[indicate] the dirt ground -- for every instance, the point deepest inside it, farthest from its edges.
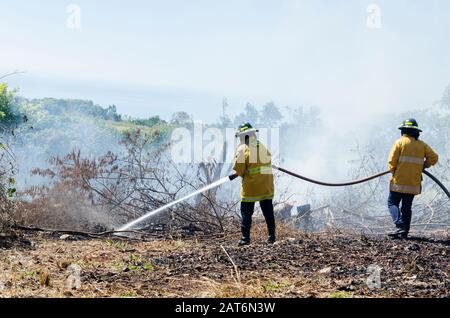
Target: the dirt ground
(332, 264)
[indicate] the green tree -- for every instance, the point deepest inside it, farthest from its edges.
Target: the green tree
(181, 118)
(225, 120)
(8, 112)
(446, 98)
(111, 113)
(250, 115)
(270, 115)
(150, 122)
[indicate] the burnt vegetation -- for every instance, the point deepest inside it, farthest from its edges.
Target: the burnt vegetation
(121, 187)
(71, 202)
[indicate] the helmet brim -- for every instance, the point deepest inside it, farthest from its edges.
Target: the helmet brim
(247, 132)
(407, 127)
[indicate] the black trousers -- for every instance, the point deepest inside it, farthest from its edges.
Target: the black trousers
(247, 209)
(401, 216)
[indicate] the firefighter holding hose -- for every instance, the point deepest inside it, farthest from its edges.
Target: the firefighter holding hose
(253, 164)
(409, 156)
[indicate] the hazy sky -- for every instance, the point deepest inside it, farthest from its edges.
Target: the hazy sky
(156, 57)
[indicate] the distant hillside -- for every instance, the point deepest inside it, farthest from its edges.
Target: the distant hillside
(86, 108)
(49, 127)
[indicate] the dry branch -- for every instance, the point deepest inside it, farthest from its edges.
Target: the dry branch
(236, 270)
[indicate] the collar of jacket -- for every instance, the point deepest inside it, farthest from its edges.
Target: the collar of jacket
(252, 141)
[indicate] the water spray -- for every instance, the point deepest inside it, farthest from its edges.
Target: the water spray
(171, 204)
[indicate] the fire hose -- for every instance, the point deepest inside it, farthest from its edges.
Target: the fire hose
(327, 184)
(345, 184)
(234, 176)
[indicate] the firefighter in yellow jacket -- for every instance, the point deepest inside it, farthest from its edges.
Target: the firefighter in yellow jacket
(409, 156)
(253, 164)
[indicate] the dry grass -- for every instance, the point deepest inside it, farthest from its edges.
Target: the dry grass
(200, 268)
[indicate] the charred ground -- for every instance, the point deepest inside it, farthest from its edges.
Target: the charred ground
(331, 264)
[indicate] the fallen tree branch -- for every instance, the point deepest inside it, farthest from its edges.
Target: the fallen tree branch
(238, 276)
(82, 233)
(115, 234)
(413, 225)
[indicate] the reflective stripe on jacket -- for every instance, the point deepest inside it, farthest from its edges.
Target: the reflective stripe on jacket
(253, 163)
(407, 159)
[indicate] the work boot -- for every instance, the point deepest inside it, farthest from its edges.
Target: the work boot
(399, 233)
(244, 241)
(271, 231)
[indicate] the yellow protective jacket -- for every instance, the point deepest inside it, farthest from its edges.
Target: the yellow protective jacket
(253, 163)
(407, 159)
